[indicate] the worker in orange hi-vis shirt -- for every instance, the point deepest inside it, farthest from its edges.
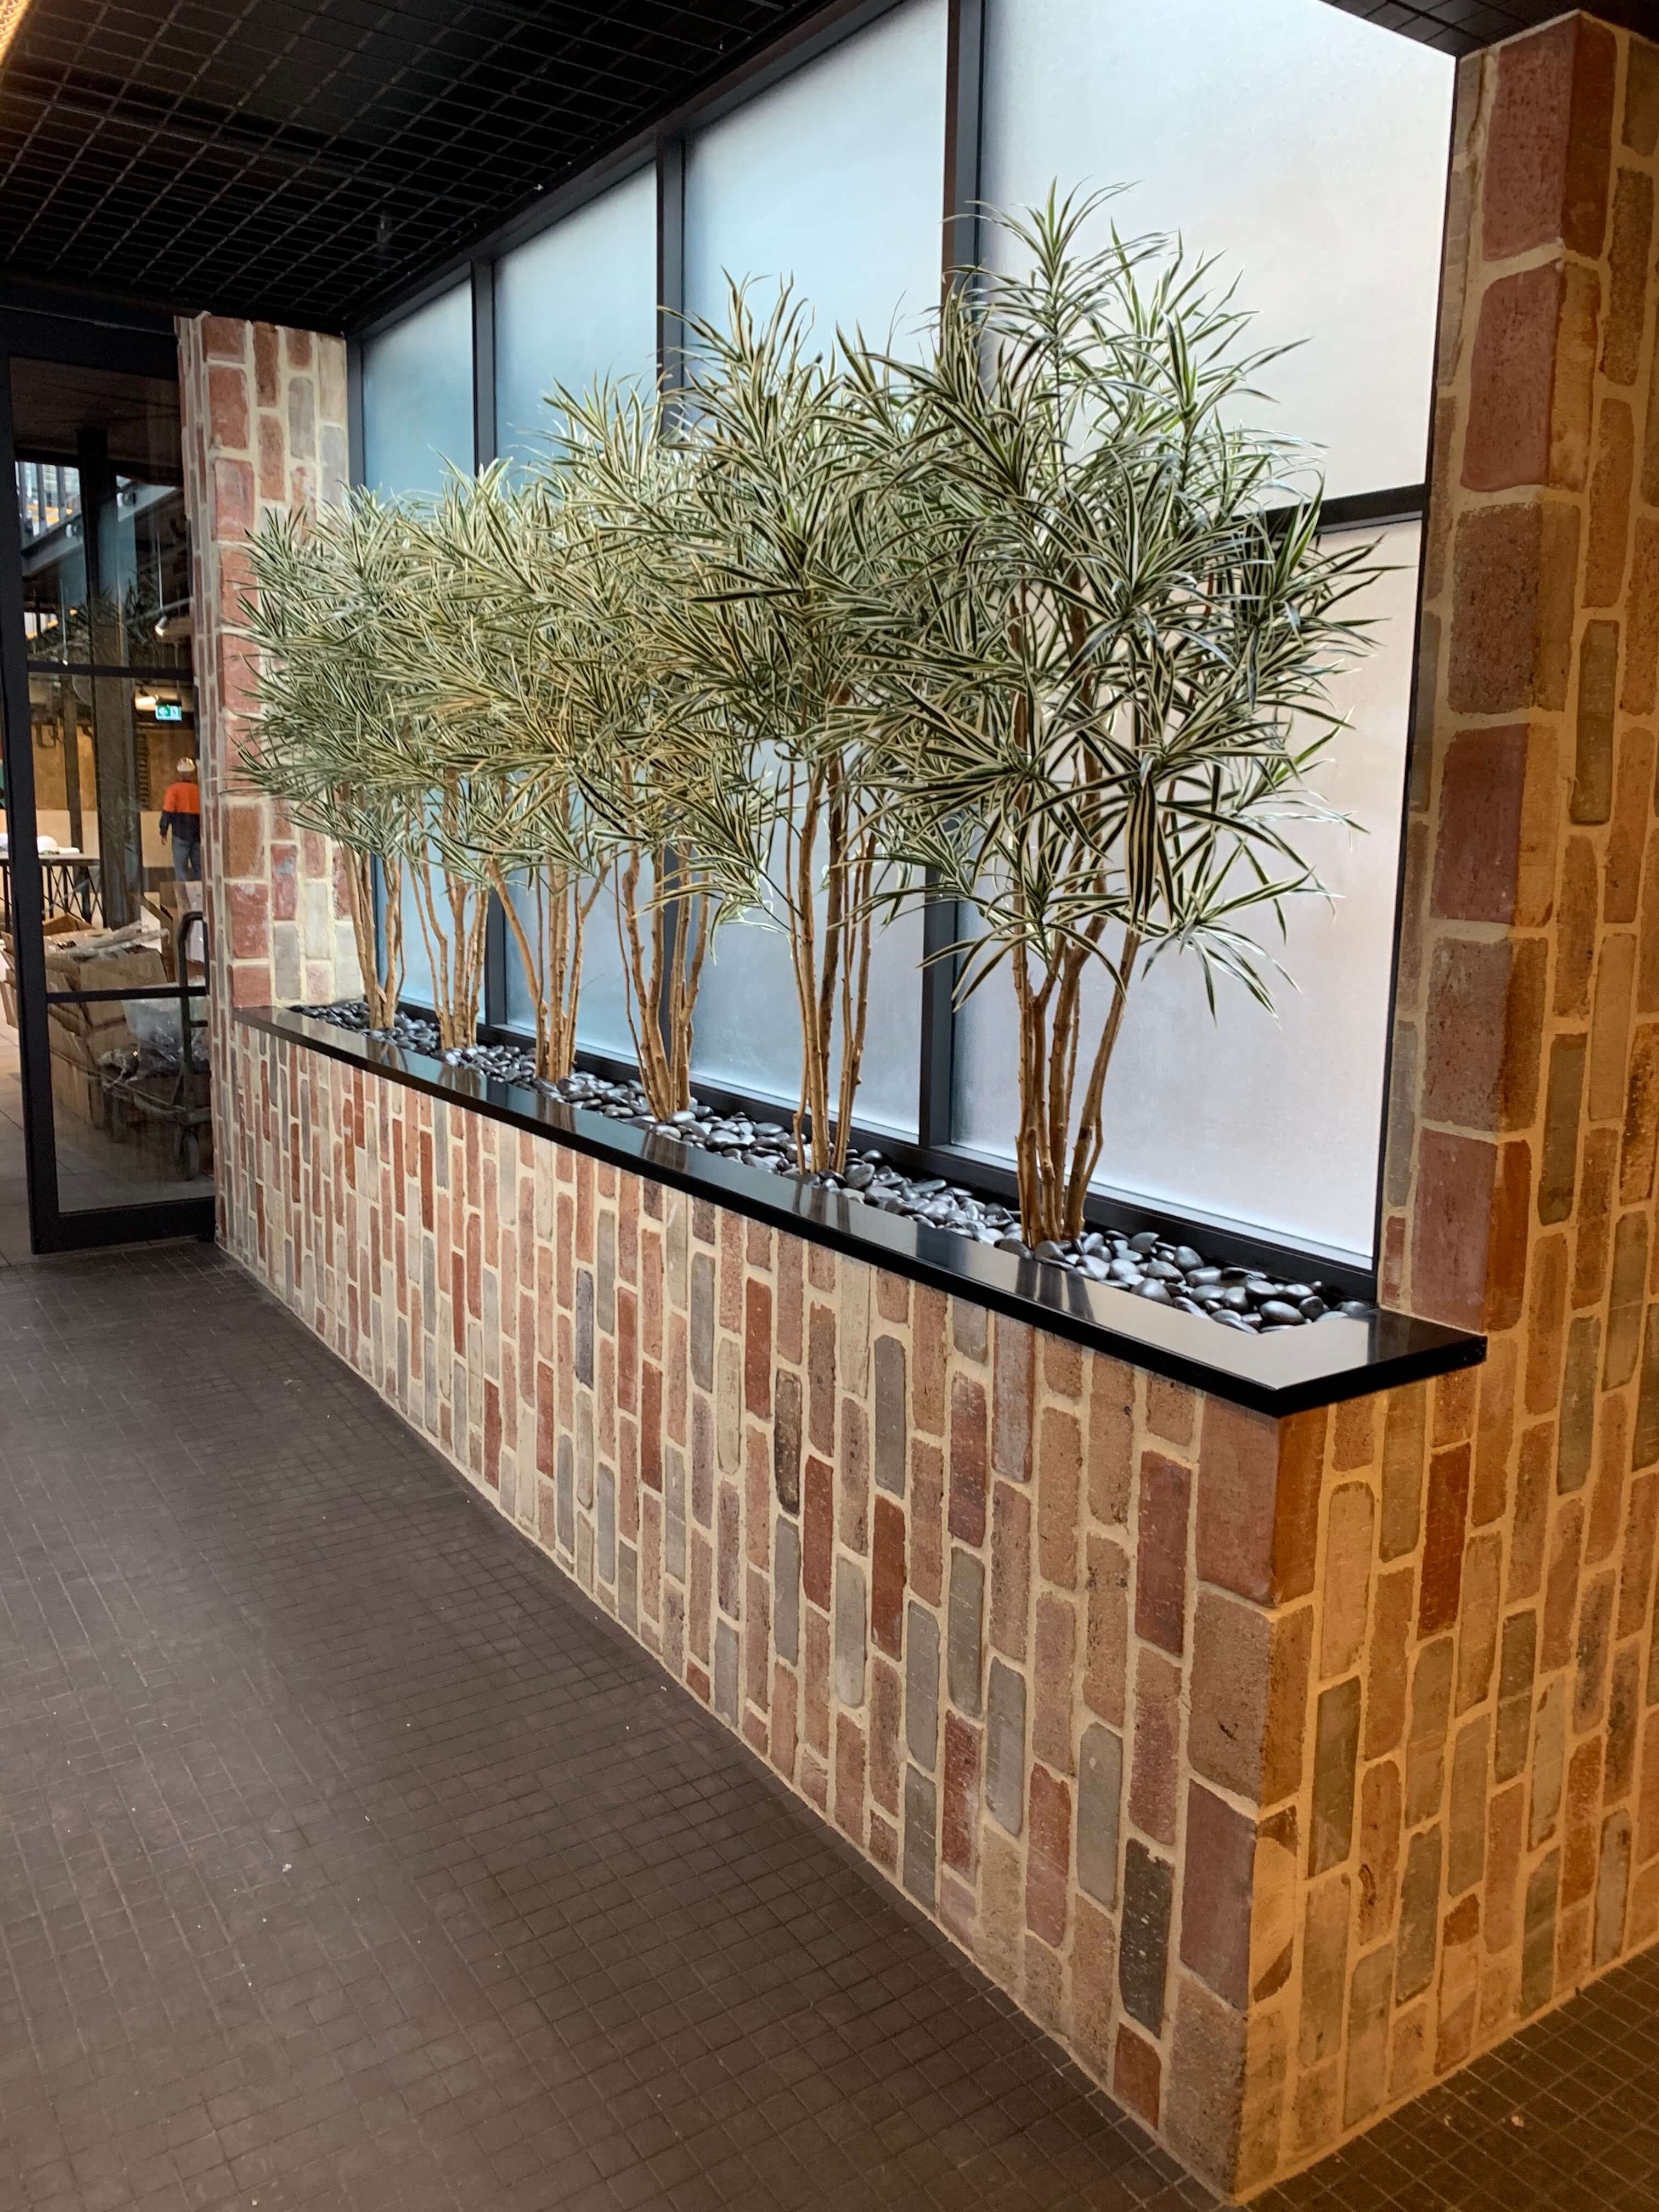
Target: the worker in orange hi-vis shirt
(181, 819)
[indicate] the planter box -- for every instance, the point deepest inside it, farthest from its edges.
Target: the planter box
(1054, 1603)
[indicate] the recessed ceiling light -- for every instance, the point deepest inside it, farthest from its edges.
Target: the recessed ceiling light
(11, 14)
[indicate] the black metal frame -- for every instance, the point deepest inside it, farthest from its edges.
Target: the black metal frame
(91, 335)
(1282, 1371)
(934, 1151)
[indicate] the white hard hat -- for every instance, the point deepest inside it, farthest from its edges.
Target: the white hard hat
(187, 765)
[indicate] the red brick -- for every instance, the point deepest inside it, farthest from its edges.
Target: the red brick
(1583, 1809)
(224, 337)
(926, 1519)
(1014, 1376)
(1153, 1775)
(968, 1461)
(959, 1815)
(1513, 381)
(1048, 1860)
(228, 412)
(1011, 1569)
(815, 1684)
(1561, 1588)
(1549, 140)
(757, 1485)
(1093, 1981)
(1054, 1667)
(249, 922)
(1063, 1366)
(1442, 1547)
(1609, 509)
(887, 1578)
(1636, 693)
(1216, 1893)
(1482, 1029)
(849, 1777)
(233, 498)
(1136, 2071)
(790, 1295)
(929, 1320)
(784, 1719)
(1516, 578)
(1628, 840)
(758, 1348)
(818, 1532)
(1477, 850)
(821, 1379)
(1111, 1439)
(1469, 1231)
(266, 365)
(1060, 1477)
(886, 1703)
(1258, 1501)
(1107, 1630)
(1161, 1559)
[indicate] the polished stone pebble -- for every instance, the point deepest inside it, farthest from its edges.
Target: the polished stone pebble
(1141, 1262)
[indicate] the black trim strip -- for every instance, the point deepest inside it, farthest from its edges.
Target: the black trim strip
(1288, 1372)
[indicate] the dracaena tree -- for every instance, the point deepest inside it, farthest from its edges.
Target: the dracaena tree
(1107, 636)
(658, 784)
(322, 692)
(769, 555)
(329, 589)
(477, 643)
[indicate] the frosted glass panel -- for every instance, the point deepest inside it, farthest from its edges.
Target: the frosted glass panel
(1305, 147)
(602, 1009)
(417, 989)
(834, 177)
(748, 1032)
(417, 396)
(1272, 1119)
(576, 304)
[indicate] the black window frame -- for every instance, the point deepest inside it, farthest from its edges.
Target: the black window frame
(934, 1150)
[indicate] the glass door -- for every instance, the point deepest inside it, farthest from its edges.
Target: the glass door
(103, 951)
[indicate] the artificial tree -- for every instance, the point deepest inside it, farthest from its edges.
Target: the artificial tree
(1107, 634)
(1026, 619)
(769, 557)
(321, 687)
(477, 643)
(658, 782)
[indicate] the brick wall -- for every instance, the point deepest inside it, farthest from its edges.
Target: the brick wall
(1275, 1768)
(996, 1607)
(265, 427)
(1478, 1825)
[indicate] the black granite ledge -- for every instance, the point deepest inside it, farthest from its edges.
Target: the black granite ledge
(1287, 1372)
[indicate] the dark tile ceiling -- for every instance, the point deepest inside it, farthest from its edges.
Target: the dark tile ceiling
(304, 159)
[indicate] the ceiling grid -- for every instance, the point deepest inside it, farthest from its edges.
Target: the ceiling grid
(303, 160)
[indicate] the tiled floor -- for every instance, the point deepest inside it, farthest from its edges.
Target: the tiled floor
(92, 1169)
(348, 1858)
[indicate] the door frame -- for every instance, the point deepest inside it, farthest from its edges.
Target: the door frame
(82, 334)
